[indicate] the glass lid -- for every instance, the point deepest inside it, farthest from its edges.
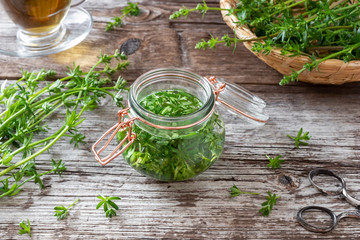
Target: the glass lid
(239, 101)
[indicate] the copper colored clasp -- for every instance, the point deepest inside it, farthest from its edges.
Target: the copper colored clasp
(121, 125)
(217, 90)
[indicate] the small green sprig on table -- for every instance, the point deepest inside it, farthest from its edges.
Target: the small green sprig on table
(28, 105)
(300, 138)
(266, 206)
(62, 211)
(235, 191)
(271, 200)
(275, 162)
(109, 206)
(319, 30)
(25, 228)
(131, 9)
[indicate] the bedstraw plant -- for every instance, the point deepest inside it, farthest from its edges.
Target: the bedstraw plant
(62, 211)
(28, 105)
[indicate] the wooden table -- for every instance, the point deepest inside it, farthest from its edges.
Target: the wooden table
(200, 208)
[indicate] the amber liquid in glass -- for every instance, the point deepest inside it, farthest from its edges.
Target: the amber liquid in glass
(36, 16)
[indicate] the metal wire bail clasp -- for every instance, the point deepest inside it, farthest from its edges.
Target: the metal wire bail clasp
(121, 125)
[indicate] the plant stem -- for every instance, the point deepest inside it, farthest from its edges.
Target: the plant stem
(253, 193)
(64, 130)
(25, 181)
(73, 204)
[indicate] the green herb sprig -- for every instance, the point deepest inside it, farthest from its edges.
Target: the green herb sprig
(271, 200)
(300, 138)
(29, 170)
(275, 162)
(235, 191)
(62, 211)
(201, 8)
(25, 228)
(321, 30)
(131, 9)
(109, 206)
(29, 103)
(171, 103)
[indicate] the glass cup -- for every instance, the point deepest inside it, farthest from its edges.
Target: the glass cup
(39, 21)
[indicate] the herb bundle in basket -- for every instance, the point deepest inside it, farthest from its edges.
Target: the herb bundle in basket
(315, 41)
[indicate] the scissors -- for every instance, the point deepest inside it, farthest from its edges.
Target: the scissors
(334, 218)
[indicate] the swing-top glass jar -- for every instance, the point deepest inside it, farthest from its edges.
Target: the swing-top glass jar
(171, 130)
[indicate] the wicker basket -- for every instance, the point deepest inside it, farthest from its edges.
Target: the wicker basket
(332, 71)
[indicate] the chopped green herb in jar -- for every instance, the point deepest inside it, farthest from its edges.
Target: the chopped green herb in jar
(171, 103)
(170, 156)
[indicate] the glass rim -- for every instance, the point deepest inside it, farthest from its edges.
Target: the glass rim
(206, 107)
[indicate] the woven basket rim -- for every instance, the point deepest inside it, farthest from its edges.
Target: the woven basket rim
(243, 32)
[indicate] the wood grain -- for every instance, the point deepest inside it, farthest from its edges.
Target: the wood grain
(200, 208)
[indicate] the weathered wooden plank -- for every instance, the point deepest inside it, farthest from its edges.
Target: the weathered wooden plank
(202, 208)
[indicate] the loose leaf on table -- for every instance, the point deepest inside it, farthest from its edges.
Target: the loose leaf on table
(275, 162)
(300, 138)
(61, 211)
(235, 191)
(25, 228)
(267, 206)
(109, 206)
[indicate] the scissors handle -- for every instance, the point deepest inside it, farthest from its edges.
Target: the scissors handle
(341, 191)
(314, 228)
(319, 171)
(334, 219)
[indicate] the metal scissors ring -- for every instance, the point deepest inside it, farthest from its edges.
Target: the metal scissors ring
(334, 218)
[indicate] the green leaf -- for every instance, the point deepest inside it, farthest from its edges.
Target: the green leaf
(271, 200)
(109, 205)
(101, 197)
(61, 211)
(39, 181)
(114, 198)
(300, 138)
(275, 162)
(25, 228)
(77, 138)
(6, 159)
(60, 207)
(58, 167)
(100, 204)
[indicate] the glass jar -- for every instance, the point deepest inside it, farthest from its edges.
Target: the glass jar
(177, 148)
